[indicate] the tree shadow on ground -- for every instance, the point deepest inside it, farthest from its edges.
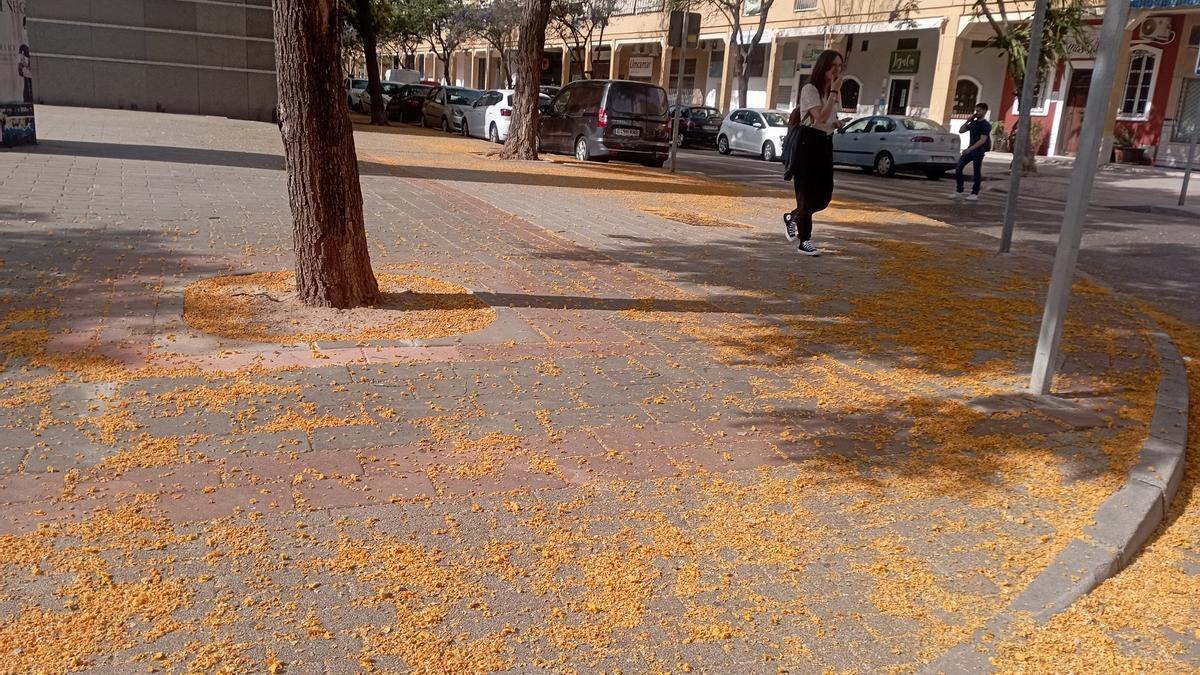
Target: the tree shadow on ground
(272, 162)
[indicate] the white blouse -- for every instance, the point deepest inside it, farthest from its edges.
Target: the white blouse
(810, 98)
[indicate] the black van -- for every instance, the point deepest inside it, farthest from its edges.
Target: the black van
(602, 119)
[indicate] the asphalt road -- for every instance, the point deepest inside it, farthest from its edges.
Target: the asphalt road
(1148, 250)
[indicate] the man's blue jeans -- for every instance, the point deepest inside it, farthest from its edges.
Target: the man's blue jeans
(974, 157)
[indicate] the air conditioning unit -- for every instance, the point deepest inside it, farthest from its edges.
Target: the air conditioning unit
(1157, 29)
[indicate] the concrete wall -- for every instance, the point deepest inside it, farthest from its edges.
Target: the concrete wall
(178, 56)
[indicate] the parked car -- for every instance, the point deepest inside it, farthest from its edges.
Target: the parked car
(756, 131)
(891, 143)
(602, 119)
(388, 90)
(698, 125)
(445, 106)
(408, 105)
(354, 88)
(490, 116)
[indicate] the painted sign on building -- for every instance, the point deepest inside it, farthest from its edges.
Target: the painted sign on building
(16, 76)
(641, 66)
(905, 62)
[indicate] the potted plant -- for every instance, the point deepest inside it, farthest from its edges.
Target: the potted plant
(1001, 141)
(1123, 150)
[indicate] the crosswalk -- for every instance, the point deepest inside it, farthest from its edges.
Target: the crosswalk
(899, 191)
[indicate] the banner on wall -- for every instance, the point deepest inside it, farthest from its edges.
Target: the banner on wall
(16, 76)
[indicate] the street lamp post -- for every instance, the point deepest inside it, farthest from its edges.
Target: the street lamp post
(1087, 159)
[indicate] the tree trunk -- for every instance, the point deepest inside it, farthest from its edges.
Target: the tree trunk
(446, 68)
(522, 132)
(366, 29)
(743, 75)
(333, 264)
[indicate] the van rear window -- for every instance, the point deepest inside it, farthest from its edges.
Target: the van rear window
(633, 99)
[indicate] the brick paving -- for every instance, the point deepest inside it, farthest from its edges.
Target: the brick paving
(677, 448)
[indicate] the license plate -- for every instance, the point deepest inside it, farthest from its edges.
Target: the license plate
(624, 131)
(710, 127)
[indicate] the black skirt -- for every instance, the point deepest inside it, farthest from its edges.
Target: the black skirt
(810, 165)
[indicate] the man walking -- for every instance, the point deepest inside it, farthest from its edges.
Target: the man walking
(981, 141)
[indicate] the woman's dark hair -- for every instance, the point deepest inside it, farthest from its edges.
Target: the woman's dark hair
(820, 71)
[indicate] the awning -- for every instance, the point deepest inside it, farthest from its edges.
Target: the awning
(1162, 4)
(859, 28)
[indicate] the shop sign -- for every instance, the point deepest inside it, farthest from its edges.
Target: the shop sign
(641, 66)
(905, 62)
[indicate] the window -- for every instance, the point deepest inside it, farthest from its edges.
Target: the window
(1194, 37)
(561, 101)
(883, 125)
(850, 93)
(758, 57)
(689, 78)
(805, 5)
(1139, 85)
(865, 44)
(636, 99)
(906, 43)
(966, 95)
(776, 119)
(1039, 96)
(753, 7)
(739, 116)
(921, 124)
(858, 126)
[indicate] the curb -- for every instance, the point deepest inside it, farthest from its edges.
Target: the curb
(1122, 524)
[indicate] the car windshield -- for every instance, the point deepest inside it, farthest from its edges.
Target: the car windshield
(418, 91)
(359, 84)
(775, 119)
(705, 113)
(921, 124)
(462, 96)
(636, 99)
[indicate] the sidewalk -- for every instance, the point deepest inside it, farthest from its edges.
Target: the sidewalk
(1141, 189)
(668, 443)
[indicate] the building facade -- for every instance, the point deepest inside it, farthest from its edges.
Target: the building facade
(205, 57)
(933, 62)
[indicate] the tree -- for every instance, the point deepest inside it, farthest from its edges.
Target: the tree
(743, 50)
(333, 264)
(496, 24)
(1065, 32)
(531, 41)
(576, 20)
(447, 25)
(363, 17)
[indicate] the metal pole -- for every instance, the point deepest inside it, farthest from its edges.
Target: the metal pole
(1024, 124)
(1187, 173)
(1086, 161)
(678, 93)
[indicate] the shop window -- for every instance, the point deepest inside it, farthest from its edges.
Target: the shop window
(966, 95)
(851, 88)
(758, 58)
(1139, 84)
(906, 43)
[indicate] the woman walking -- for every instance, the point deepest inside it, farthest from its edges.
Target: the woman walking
(808, 160)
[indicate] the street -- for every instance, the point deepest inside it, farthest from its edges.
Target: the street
(1137, 240)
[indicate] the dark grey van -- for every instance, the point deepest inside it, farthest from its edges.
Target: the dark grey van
(602, 119)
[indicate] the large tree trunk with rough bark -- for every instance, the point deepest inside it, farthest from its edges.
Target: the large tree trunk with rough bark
(333, 264)
(522, 133)
(368, 33)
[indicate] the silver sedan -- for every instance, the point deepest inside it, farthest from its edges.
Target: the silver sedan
(890, 143)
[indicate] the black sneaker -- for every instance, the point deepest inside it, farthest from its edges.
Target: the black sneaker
(806, 247)
(789, 227)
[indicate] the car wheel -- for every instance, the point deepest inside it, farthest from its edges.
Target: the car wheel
(768, 152)
(463, 128)
(581, 150)
(935, 174)
(884, 164)
(723, 145)
(493, 134)
(446, 125)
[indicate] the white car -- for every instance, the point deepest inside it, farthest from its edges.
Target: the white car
(757, 131)
(490, 116)
(354, 88)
